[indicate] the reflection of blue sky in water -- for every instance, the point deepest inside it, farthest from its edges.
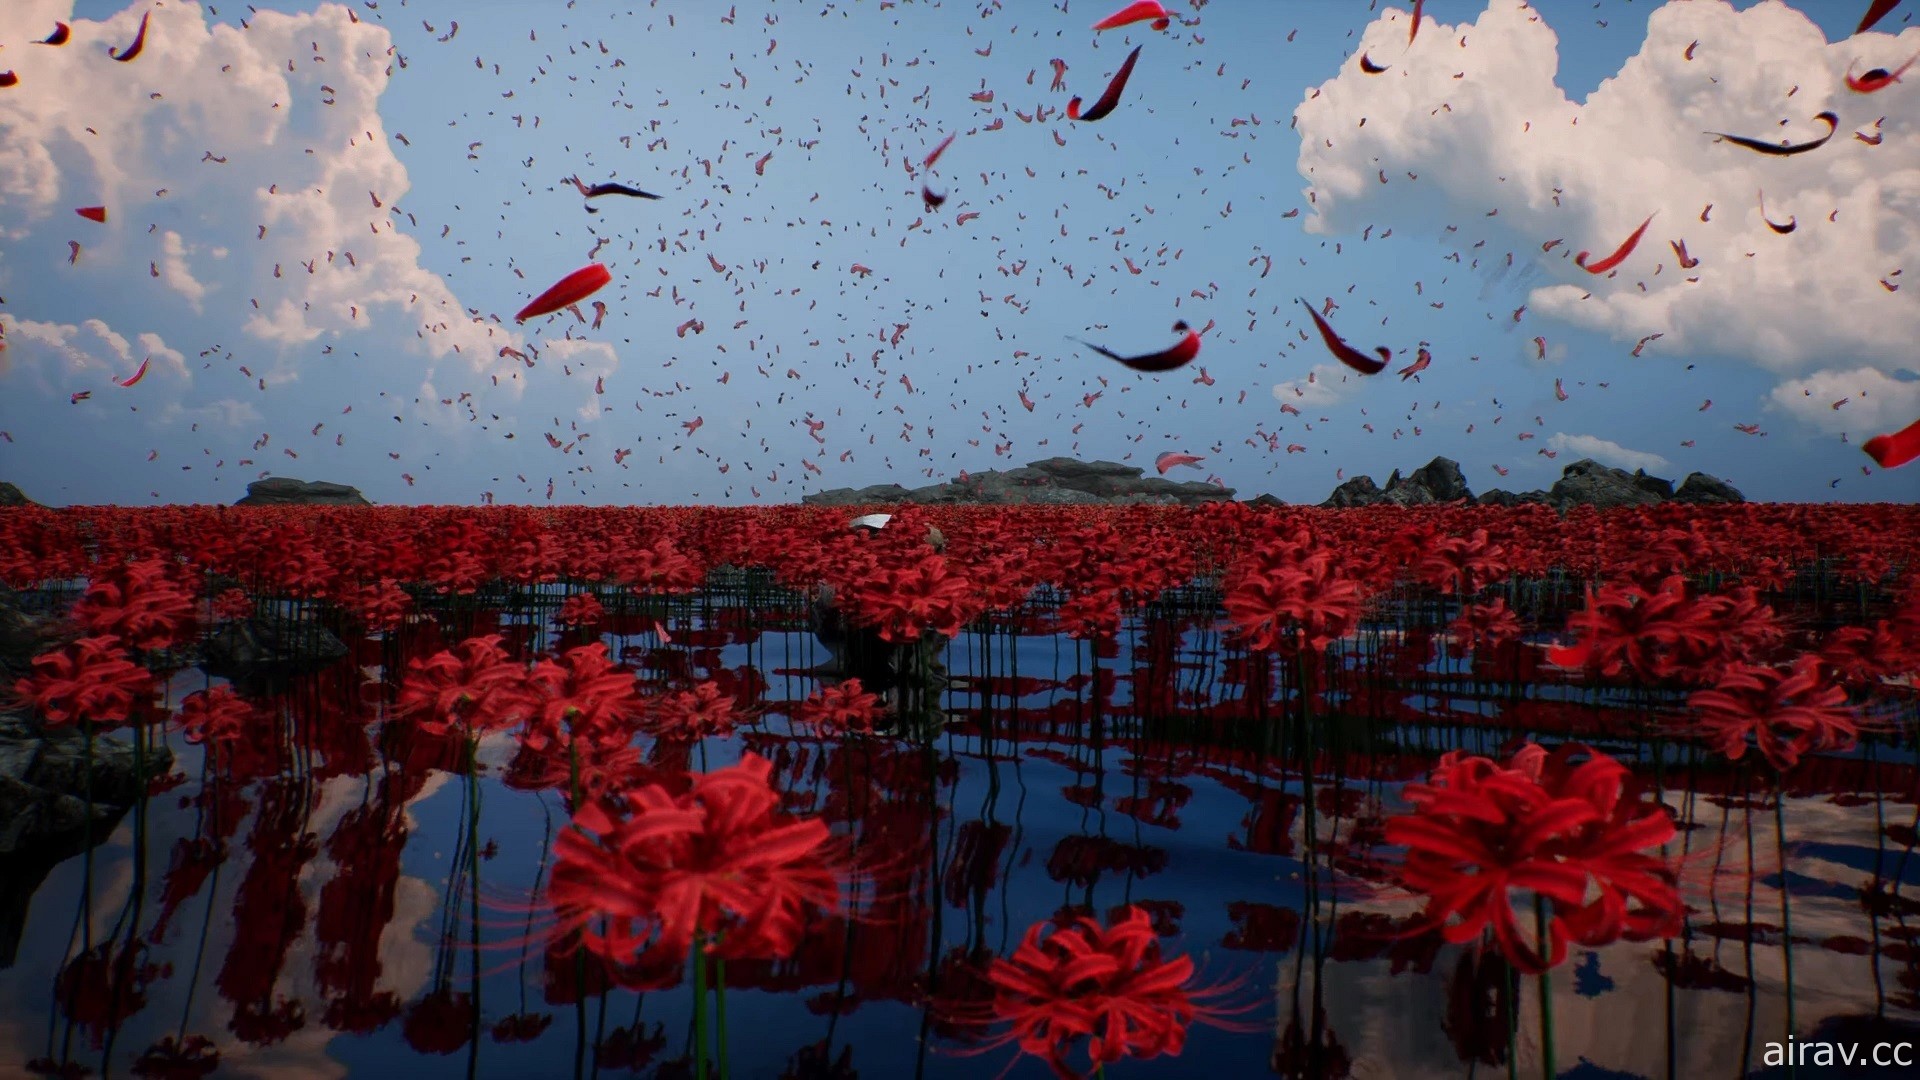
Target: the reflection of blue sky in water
(1209, 838)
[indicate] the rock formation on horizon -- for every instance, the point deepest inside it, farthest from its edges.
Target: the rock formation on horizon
(1056, 481)
(13, 496)
(286, 491)
(1585, 482)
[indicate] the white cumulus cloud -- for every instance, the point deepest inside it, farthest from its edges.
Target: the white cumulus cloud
(1326, 385)
(246, 174)
(1606, 451)
(1862, 402)
(1473, 111)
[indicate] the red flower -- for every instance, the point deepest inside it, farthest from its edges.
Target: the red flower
(232, 604)
(1561, 831)
(720, 864)
(137, 603)
(381, 605)
(90, 679)
(907, 601)
(1289, 593)
(693, 714)
(581, 610)
(1488, 625)
(831, 710)
(1109, 986)
(584, 692)
(1091, 615)
(476, 687)
(1784, 714)
(1665, 634)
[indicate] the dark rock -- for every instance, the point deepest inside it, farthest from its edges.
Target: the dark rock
(1583, 483)
(1588, 483)
(12, 496)
(47, 777)
(1699, 488)
(1266, 502)
(286, 491)
(44, 782)
(1653, 484)
(264, 646)
(1050, 482)
(1497, 497)
(22, 637)
(1442, 479)
(1359, 491)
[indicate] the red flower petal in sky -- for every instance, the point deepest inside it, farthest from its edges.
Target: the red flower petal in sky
(846, 707)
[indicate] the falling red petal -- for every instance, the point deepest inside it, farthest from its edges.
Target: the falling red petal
(1895, 450)
(139, 42)
(93, 213)
(1141, 11)
(1619, 255)
(569, 290)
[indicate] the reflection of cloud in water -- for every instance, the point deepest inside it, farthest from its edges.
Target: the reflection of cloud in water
(1393, 1024)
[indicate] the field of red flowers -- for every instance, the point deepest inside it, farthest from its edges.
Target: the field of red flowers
(557, 792)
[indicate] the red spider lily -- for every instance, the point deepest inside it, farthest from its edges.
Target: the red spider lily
(585, 693)
(1289, 593)
(1091, 615)
(1783, 714)
(1663, 634)
(720, 864)
(908, 601)
(693, 714)
(232, 604)
(581, 610)
(1488, 625)
(1460, 564)
(218, 717)
(379, 606)
(474, 687)
(831, 710)
(138, 603)
(1107, 985)
(87, 680)
(1479, 832)
(1864, 656)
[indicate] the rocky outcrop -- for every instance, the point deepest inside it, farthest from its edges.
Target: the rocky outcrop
(1704, 490)
(270, 646)
(44, 782)
(1584, 483)
(22, 637)
(1054, 481)
(12, 496)
(1438, 481)
(286, 491)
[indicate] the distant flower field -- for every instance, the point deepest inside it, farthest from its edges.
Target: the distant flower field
(563, 792)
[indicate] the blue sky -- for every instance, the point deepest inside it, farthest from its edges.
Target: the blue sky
(466, 145)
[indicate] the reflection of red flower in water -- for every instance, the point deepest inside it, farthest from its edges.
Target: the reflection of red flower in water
(831, 710)
(217, 717)
(178, 1059)
(1559, 830)
(522, 1027)
(1784, 714)
(474, 686)
(440, 1023)
(721, 862)
(90, 679)
(1109, 986)
(105, 985)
